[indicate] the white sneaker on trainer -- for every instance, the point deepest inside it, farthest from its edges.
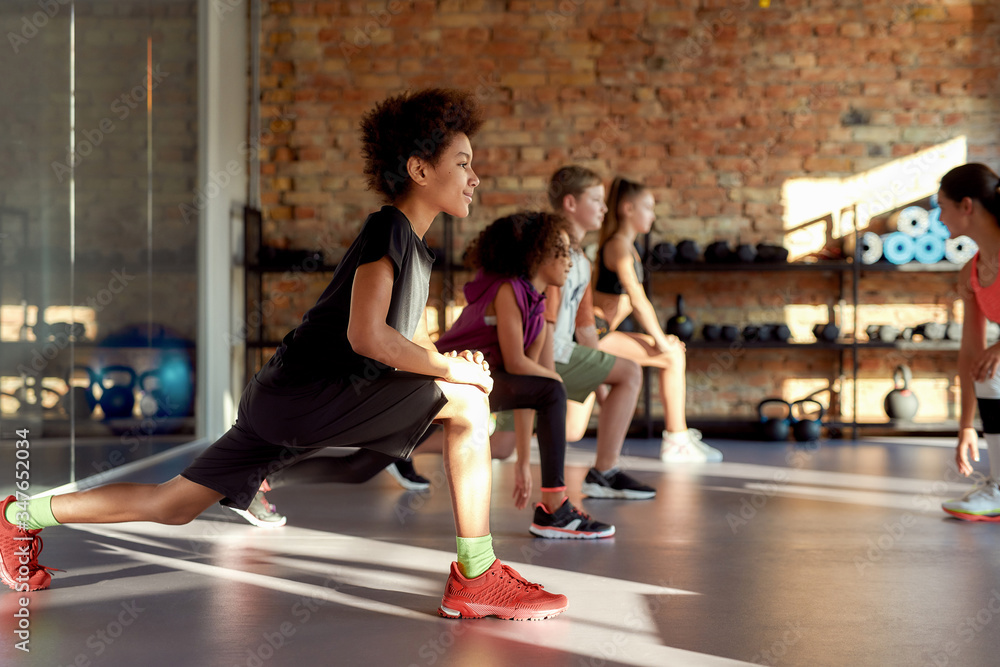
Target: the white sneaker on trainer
(981, 503)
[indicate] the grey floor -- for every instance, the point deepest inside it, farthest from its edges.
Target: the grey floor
(833, 555)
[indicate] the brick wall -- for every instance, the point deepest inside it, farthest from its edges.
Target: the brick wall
(715, 104)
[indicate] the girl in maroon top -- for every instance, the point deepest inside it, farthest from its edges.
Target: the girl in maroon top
(970, 207)
(518, 257)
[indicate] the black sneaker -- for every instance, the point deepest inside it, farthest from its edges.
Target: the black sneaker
(403, 472)
(568, 522)
(615, 484)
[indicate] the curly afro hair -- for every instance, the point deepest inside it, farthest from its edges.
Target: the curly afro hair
(418, 124)
(517, 244)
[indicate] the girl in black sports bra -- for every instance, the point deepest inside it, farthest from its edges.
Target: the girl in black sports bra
(618, 293)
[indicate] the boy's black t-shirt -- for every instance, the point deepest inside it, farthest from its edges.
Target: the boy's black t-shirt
(318, 349)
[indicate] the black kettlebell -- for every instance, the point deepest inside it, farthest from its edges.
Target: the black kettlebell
(118, 399)
(680, 325)
(901, 403)
(807, 429)
(775, 428)
(711, 332)
(79, 401)
(730, 333)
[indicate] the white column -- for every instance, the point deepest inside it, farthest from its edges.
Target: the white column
(222, 182)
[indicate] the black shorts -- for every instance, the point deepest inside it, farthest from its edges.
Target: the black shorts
(276, 427)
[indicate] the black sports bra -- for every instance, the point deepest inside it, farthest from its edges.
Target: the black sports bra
(607, 280)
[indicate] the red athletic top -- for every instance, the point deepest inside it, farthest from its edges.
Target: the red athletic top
(988, 298)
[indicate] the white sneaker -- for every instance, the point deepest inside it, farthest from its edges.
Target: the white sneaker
(981, 503)
(681, 448)
(712, 455)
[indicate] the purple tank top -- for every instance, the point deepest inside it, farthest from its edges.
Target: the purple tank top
(472, 330)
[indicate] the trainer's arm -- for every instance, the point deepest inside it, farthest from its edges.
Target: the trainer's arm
(371, 337)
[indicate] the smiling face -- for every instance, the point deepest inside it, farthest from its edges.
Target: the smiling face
(554, 268)
(452, 179)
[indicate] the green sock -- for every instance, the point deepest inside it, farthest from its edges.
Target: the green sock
(475, 555)
(39, 514)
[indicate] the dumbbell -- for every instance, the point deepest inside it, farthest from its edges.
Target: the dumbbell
(757, 333)
(745, 253)
(781, 332)
(934, 331)
(953, 331)
(688, 251)
(661, 255)
(731, 333)
(885, 333)
(826, 333)
(711, 332)
(773, 254)
(718, 253)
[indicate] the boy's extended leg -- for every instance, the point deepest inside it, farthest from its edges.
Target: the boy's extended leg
(175, 502)
(479, 584)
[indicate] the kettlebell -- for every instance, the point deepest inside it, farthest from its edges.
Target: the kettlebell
(775, 428)
(711, 332)
(807, 429)
(901, 403)
(680, 325)
(118, 399)
(79, 401)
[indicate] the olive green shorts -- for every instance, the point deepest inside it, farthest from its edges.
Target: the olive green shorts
(585, 371)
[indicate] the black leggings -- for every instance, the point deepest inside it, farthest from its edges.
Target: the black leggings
(548, 398)
(510, 392)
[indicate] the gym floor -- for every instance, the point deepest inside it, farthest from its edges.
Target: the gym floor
(836, 554)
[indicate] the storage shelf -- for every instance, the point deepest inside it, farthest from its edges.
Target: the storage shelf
(828, 265)
(771, 345)
(940, 267)
(836, 265)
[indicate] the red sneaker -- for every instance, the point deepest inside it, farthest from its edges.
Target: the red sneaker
(19, 551)
(500, 592)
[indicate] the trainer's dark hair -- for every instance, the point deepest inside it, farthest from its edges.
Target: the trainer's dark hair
(570, 180)
(517, 245)
(418, 124)
(976, 181)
